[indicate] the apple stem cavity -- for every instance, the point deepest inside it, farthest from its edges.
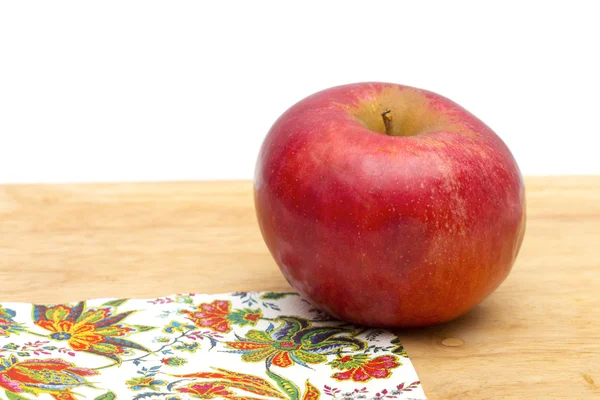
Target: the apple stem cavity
(387, 121)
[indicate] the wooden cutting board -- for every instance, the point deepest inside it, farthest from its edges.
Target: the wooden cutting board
(537, 336)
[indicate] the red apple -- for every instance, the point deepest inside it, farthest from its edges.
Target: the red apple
(387, 205)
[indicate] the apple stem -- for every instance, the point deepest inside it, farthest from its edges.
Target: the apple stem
(387, 121)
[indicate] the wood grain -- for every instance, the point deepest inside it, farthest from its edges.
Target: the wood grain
(537, 336)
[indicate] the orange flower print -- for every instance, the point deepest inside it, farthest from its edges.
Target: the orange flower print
(360, 368)
(95, 331)
(212, 316)
(230, 385)
(218, 316)
(206, 391)
(53, 376)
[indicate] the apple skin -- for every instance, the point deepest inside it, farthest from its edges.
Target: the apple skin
(390, 231)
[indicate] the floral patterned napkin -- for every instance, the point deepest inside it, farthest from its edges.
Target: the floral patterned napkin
(238, 346)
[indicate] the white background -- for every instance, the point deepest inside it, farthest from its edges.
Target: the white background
(179, 90)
